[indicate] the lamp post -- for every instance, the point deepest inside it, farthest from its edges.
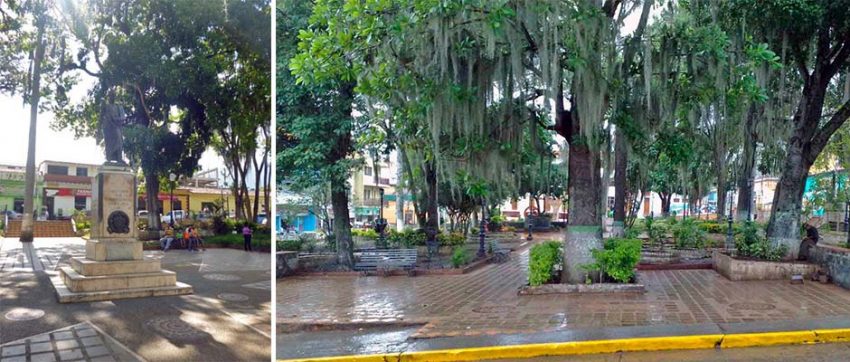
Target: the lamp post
(381, 223)
(172, 177)
(481, 253)
(847, 220)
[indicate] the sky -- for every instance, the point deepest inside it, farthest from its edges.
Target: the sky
(56, 145)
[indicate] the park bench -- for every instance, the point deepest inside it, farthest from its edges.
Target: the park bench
(385, 260)
(500, 254)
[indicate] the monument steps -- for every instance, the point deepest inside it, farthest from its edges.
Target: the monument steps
(43, 229)
(77, 282)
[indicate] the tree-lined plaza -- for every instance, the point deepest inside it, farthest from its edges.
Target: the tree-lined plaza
(670, 97)
(582, 173)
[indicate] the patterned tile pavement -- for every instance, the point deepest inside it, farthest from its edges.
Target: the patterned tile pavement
(201, 326)
(485, 302)
(80, 342)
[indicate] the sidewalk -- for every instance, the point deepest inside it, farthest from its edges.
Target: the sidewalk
(483, 307)
(228, 317)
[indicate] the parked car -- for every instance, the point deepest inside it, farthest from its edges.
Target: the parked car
(173, 216)
(261, 219)
(142, 214)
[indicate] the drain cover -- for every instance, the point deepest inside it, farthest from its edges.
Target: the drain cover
(173, 328)
(222, 277)
(24, 314)
(752, 306)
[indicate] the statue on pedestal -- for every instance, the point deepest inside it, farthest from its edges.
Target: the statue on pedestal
(112, 119)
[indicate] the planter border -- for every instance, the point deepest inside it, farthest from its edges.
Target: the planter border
(582, 288)
(731, 268)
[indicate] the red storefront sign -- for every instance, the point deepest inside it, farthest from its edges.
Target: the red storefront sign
(67, 192)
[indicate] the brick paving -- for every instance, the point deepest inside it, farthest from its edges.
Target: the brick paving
(228, 318)
(80, 342)
(485, 302)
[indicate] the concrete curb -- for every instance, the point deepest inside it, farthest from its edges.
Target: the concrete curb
(669, 343)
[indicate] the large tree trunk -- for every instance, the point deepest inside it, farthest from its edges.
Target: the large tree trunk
(620, 164)
(29, 183)
(342, 227)
(432, 222)
(584, 227)
(745, 185)
(784, 225)
(665, 203)
(152, 192)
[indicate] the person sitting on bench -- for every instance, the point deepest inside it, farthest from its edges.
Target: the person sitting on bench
(810, 241)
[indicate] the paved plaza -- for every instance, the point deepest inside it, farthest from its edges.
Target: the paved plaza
(403, 310)
(227, 318)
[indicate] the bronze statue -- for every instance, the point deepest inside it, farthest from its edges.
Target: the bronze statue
(112, 118)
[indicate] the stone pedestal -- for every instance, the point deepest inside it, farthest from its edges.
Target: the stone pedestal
(114, 266)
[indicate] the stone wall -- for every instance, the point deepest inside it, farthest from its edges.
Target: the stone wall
(835, 261)
(287, 263)
(742, 269)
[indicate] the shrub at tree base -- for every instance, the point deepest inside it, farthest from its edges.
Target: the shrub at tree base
(542, 261)
(617, 259)
(688, 235)
(460, 257)
(750, 244)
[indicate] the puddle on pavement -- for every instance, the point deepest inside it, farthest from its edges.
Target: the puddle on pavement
(344, 342)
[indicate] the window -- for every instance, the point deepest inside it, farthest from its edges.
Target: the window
(82, 171)
(513, 204)
(384, 181)
(676, 200)
(367, 194)
(57, 170)
(367, 171)
(80, 202)
(176, 205)
(18, 205)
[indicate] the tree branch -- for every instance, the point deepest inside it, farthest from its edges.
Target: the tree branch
(823, 134)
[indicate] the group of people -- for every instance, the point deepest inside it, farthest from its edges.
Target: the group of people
(189, 238)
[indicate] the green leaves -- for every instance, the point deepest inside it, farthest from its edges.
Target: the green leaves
(542, 260)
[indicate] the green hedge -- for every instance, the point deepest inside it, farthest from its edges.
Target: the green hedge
(617, 259)
(687, 234)
(460, 257)
(542, 261)
(260, 240)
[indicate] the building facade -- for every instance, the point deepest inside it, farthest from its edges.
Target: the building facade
(67, 187)
(12, 184)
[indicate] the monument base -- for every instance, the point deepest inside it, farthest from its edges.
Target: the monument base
(91, 280)
(64, 295)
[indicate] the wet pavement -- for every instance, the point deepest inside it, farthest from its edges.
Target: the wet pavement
(485, 304)
(227, 318)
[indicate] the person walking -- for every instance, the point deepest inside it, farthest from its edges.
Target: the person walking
(196, 236)
(246, 233)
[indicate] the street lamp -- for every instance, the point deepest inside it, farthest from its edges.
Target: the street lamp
(381, 223)
(481, 253)
(172, 177)
(847, 220)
